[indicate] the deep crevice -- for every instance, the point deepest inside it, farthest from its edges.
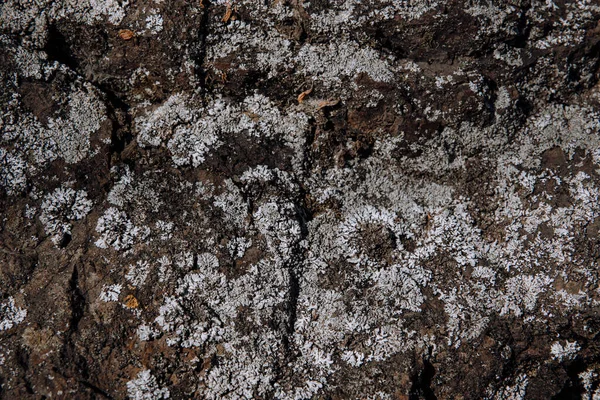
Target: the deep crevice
(23, 361)
(77, 301)
(120, 117)
(523, 29)
(421, 385)
(572, 388)
(58, 48)
(201, 56)
(303, 216)
(65, 240)
(293, 302)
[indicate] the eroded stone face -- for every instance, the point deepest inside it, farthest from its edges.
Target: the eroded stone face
(323, 199)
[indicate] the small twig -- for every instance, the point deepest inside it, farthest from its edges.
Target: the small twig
(228, 12)
(302, 95)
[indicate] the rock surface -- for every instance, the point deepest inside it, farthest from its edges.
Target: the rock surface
(329, 199)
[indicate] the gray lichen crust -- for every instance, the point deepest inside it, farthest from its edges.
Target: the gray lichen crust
(328, 199)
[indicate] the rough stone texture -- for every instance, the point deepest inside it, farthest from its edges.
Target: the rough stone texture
(381, 199)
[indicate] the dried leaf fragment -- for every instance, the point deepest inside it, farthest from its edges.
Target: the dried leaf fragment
(328, 103)
(428, 222)
(126, 34)
(131, 301)
(302, 95)
(253, 116)
(228, 12)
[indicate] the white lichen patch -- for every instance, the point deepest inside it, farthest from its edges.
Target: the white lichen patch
(131, 192)
(416, 198)
(145, 387)
(13, 172)
(18, 15)
(568, 29)
(330, 63)
(561, 352)
(232, 203)
(60, 208)
(11, 314)
(32, 63)
(116, 230)
(165, 229)
(570, 127)
(191, 134)
(237, 246)
(342, 15)
(277, 224)
(352, 229)
(138, 273)
(250, 45)
(69, 138)
(72, 135)
(154, 127)
(522, 293)
(516, 391)
(201, 310)
(588, 378)
(154, 22)
(145, 332)
(111, 292)
(28, 145)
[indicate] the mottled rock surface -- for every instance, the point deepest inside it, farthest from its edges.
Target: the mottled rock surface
(329, 199)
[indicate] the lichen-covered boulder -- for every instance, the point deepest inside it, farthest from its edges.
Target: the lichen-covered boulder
(284, 199)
